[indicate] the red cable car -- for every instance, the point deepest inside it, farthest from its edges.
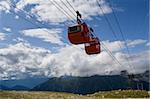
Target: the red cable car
(93, 47)
(79, 34)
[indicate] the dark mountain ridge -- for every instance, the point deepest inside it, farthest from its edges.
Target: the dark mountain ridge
(80, 85)
(16, 88)
(27, 82)
(85, 85)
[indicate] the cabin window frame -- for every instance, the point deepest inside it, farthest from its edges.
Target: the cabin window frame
(79, 29)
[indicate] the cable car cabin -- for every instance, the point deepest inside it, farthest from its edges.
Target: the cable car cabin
(79, 34)
(93, 47)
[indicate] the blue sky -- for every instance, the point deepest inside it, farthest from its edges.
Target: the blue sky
(133, 16)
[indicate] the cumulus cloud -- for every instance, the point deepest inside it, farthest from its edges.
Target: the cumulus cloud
(148, 44)
(136, 42)
(46, 11)
(19, 39)
(2, 36)
(20, 59)
(48, 35)
(7, 29)
(23, 60)
(78, 63)
(114, 46)
(5, 5)
(16, 17)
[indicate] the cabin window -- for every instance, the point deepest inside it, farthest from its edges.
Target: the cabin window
(74, 29)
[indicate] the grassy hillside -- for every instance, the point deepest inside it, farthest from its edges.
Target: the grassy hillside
(60, 95)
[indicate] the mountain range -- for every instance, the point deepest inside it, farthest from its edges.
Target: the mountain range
(21, 84)
(80, 85)
(86, 85)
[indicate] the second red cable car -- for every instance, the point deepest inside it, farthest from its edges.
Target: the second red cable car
(93, 47)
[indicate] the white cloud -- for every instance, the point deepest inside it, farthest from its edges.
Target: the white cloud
(2, 36)
(136, 42)
(23, 60)
(148, 44)
(48, 35)
(20, 59)
(114, 46)
(46, 11)
(5, 5)
(18, 40)
(7, 29)
(77, 63)
(16, 17)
